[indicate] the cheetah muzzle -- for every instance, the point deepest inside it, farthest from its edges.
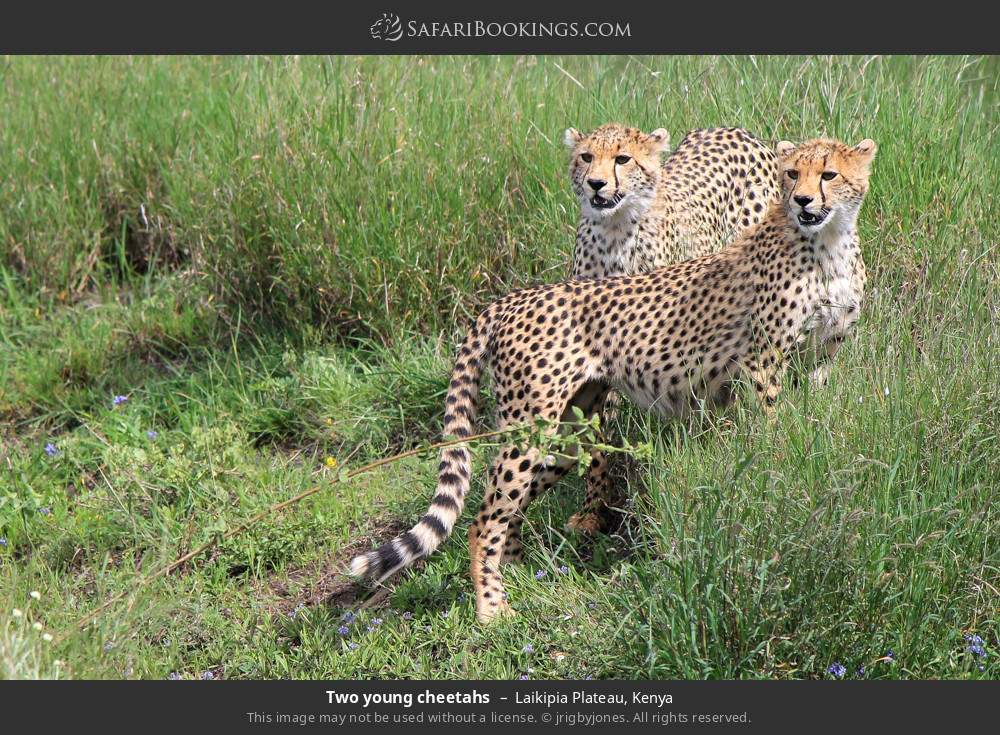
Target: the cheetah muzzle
(812, 219)
(599, 202)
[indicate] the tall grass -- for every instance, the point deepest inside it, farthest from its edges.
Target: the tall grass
(271, 258)
(375, 192)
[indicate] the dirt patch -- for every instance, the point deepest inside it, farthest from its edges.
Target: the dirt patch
(324, 582)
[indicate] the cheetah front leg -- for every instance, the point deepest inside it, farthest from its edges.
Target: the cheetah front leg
(820, 373)
(766, 373)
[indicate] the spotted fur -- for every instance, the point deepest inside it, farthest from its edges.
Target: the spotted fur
(637, 215)
(671, 339)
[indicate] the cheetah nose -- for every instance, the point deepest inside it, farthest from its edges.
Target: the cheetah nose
(597, 184)
(802, 200)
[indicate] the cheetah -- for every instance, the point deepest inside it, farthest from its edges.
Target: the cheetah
(671, 339)
(637, 215)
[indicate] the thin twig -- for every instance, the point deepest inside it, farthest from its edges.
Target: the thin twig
(181, 560)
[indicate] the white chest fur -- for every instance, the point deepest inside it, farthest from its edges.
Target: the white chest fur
(837, 253)
(841, 282)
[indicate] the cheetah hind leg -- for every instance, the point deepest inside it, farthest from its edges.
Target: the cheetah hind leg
(593, 517)
(513, 548)
(514, 483)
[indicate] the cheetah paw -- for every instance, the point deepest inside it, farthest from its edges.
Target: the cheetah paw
(589, 523)
(488, 613)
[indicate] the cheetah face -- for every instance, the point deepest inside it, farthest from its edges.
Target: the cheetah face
(615, 168)
(824, 181)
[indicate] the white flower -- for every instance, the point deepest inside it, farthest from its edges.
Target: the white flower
(36, 595)
(47, 637)
(886, 391)
(16, 613)
(36, 626)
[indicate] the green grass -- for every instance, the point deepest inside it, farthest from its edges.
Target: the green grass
(273, 259)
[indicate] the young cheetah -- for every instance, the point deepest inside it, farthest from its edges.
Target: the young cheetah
(637, 215)
(670, 339)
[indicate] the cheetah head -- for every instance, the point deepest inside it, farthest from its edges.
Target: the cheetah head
(824, 181)
(615, 168)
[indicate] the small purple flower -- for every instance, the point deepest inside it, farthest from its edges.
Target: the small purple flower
(376, 621)
(352, 645)
(206, 675)
(523, 677)
(174, 676)
(151, 435)
(348, 617)
(50, 449)
(861, 670)
(3, 541)
(837, 669)
(540, 574)
(119, 400)
(976, 645)
(564, 569)
(344, 630)
(297, 609)
(890, 655)
(45, 511)
(528, 649)
(407, 615)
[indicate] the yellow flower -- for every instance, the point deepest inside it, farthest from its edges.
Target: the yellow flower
(330, 462)
(329, 422)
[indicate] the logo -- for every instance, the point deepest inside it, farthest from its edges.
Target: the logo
(387, 28)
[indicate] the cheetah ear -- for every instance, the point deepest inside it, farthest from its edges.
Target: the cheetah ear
(784, 148)
(659, 139)
(571, 137)
(866, 150)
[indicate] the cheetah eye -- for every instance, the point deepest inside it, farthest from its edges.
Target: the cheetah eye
(792, 174)
(827, 175)
(622, 160)
(586, 157)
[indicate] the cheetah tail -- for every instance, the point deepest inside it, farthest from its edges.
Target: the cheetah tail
(454, 471)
